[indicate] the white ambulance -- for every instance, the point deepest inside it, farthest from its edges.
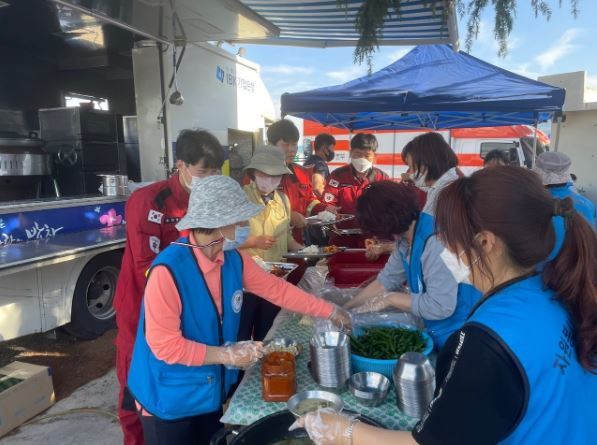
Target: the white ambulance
(470, 144)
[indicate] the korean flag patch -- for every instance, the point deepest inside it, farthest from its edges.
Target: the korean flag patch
(334, 183)
(237, 301)
(154, 244)
(328, 197)
(155, 217)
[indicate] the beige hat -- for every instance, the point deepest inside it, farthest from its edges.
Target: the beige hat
(217, 201)
(552, 167)
(269, 160)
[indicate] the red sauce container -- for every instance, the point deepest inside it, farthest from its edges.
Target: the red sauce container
(278, 375)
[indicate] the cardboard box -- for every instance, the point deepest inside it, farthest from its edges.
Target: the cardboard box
(25, 391)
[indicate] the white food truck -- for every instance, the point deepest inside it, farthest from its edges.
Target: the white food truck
(61, 240)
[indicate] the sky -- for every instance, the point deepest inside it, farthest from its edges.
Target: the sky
(536, 47)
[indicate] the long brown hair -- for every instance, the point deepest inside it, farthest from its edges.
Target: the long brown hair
(512, 203)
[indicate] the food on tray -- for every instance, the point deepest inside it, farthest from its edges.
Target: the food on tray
(326, 216)
(310, 250)
(387, 343)
(278, 271)
(331, 249)
(306, 406)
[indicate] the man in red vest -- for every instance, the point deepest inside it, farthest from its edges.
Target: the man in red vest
(151, 215)
(348, 182)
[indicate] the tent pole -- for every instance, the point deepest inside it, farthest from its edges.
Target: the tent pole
(393, 154)
(534, 145)
(559, 124)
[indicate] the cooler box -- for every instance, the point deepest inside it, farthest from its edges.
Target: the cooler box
(351, 269)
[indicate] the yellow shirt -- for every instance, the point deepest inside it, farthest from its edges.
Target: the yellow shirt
(273, 221)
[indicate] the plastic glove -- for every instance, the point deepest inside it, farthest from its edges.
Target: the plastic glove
(374, 249)
(243, 354)
(326, 427)
(342, 319)
(375, 304)
(298, 220)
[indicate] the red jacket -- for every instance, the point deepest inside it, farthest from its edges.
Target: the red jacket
(344, 187)
(151, 214)
(342, 190)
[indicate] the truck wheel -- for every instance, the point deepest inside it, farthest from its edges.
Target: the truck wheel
(92, 311)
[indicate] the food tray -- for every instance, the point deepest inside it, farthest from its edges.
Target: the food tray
(348, 232)
(288, 267)
(307, 256)
(340, 217)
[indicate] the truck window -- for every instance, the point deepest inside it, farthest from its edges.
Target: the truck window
(510, 148)
(75, 100)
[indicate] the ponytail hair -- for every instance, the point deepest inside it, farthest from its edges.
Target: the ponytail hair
(573, 275)
(512, 203)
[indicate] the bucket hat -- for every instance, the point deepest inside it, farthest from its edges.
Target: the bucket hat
(217, 201)
(552, 167)
(269, 160)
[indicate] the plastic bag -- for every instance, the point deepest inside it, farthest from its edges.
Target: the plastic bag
(337, 295)
(386, 318)
(314, 279)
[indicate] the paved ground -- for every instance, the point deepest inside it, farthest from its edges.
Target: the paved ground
(65, 427)
(83, 377)
(73, 362)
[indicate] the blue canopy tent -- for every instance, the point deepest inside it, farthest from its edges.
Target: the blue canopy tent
(431, 87)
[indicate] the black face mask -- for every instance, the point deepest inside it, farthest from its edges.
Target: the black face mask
(329, 155)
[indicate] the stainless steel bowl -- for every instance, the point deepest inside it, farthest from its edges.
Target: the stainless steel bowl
(279, 344)
(294, 402)
(369, 388)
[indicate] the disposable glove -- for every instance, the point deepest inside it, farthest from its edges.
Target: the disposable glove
(327, 427)
(243, 354)
(342, 319)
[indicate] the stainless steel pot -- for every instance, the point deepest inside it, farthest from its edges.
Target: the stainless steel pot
(115, 180)
(24, 157)
(115, 185)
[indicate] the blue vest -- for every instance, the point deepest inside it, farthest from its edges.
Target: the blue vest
(468, 295)
(561, 395)
(583, 205)
(175, 391)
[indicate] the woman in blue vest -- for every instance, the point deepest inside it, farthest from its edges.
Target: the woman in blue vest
(389, 211)
(523, 369)
(553, 169)
(186, 352)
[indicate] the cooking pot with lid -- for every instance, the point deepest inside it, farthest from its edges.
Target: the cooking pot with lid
(114, 185)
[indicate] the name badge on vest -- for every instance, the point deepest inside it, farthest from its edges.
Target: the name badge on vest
(237, 301)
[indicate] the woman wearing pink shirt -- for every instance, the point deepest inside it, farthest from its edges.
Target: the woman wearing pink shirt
(187, 339)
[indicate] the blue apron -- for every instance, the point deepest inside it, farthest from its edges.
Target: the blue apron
(175, 391)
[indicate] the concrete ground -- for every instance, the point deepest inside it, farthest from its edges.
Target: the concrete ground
(76, 428)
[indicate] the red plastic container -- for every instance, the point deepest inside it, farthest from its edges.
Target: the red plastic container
(351, 269)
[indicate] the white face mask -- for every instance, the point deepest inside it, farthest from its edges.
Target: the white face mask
(419, 181)
(361, 164)
(460, 271)
(268, 184)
